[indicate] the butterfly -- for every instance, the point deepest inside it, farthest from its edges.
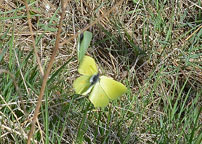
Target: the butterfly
(102, 89)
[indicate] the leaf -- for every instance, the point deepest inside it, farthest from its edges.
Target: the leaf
(83, 44)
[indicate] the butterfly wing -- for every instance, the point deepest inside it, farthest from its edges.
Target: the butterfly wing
(112, 88)
(82, 84)
(88, 66)
(98, 97)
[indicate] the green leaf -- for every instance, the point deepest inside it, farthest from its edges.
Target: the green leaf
(83, 44)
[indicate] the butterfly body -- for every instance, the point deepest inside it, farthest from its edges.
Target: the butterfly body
(94, 79)
(101, 88)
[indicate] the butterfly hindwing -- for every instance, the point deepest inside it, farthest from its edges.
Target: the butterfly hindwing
(112, 88)
(98, 96)
(88, 66)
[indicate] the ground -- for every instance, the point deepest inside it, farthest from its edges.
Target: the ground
(152, 47)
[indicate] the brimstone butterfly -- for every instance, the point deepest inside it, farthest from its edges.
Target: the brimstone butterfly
(101, 88)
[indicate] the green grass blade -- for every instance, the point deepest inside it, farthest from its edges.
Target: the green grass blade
(59, 70)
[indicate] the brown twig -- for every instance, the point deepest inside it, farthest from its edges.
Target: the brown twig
(45, 78)
(93, 23)
(33, 41)
(193, 33)
(16, 87)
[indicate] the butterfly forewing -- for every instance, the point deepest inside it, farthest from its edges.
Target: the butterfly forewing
(112, 88)
(88, 66)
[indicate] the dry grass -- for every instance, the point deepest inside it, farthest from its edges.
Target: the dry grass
(154, 48)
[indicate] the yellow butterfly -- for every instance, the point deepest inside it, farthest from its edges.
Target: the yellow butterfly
(102, 88)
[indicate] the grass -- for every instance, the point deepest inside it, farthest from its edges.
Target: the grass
(154, 48)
